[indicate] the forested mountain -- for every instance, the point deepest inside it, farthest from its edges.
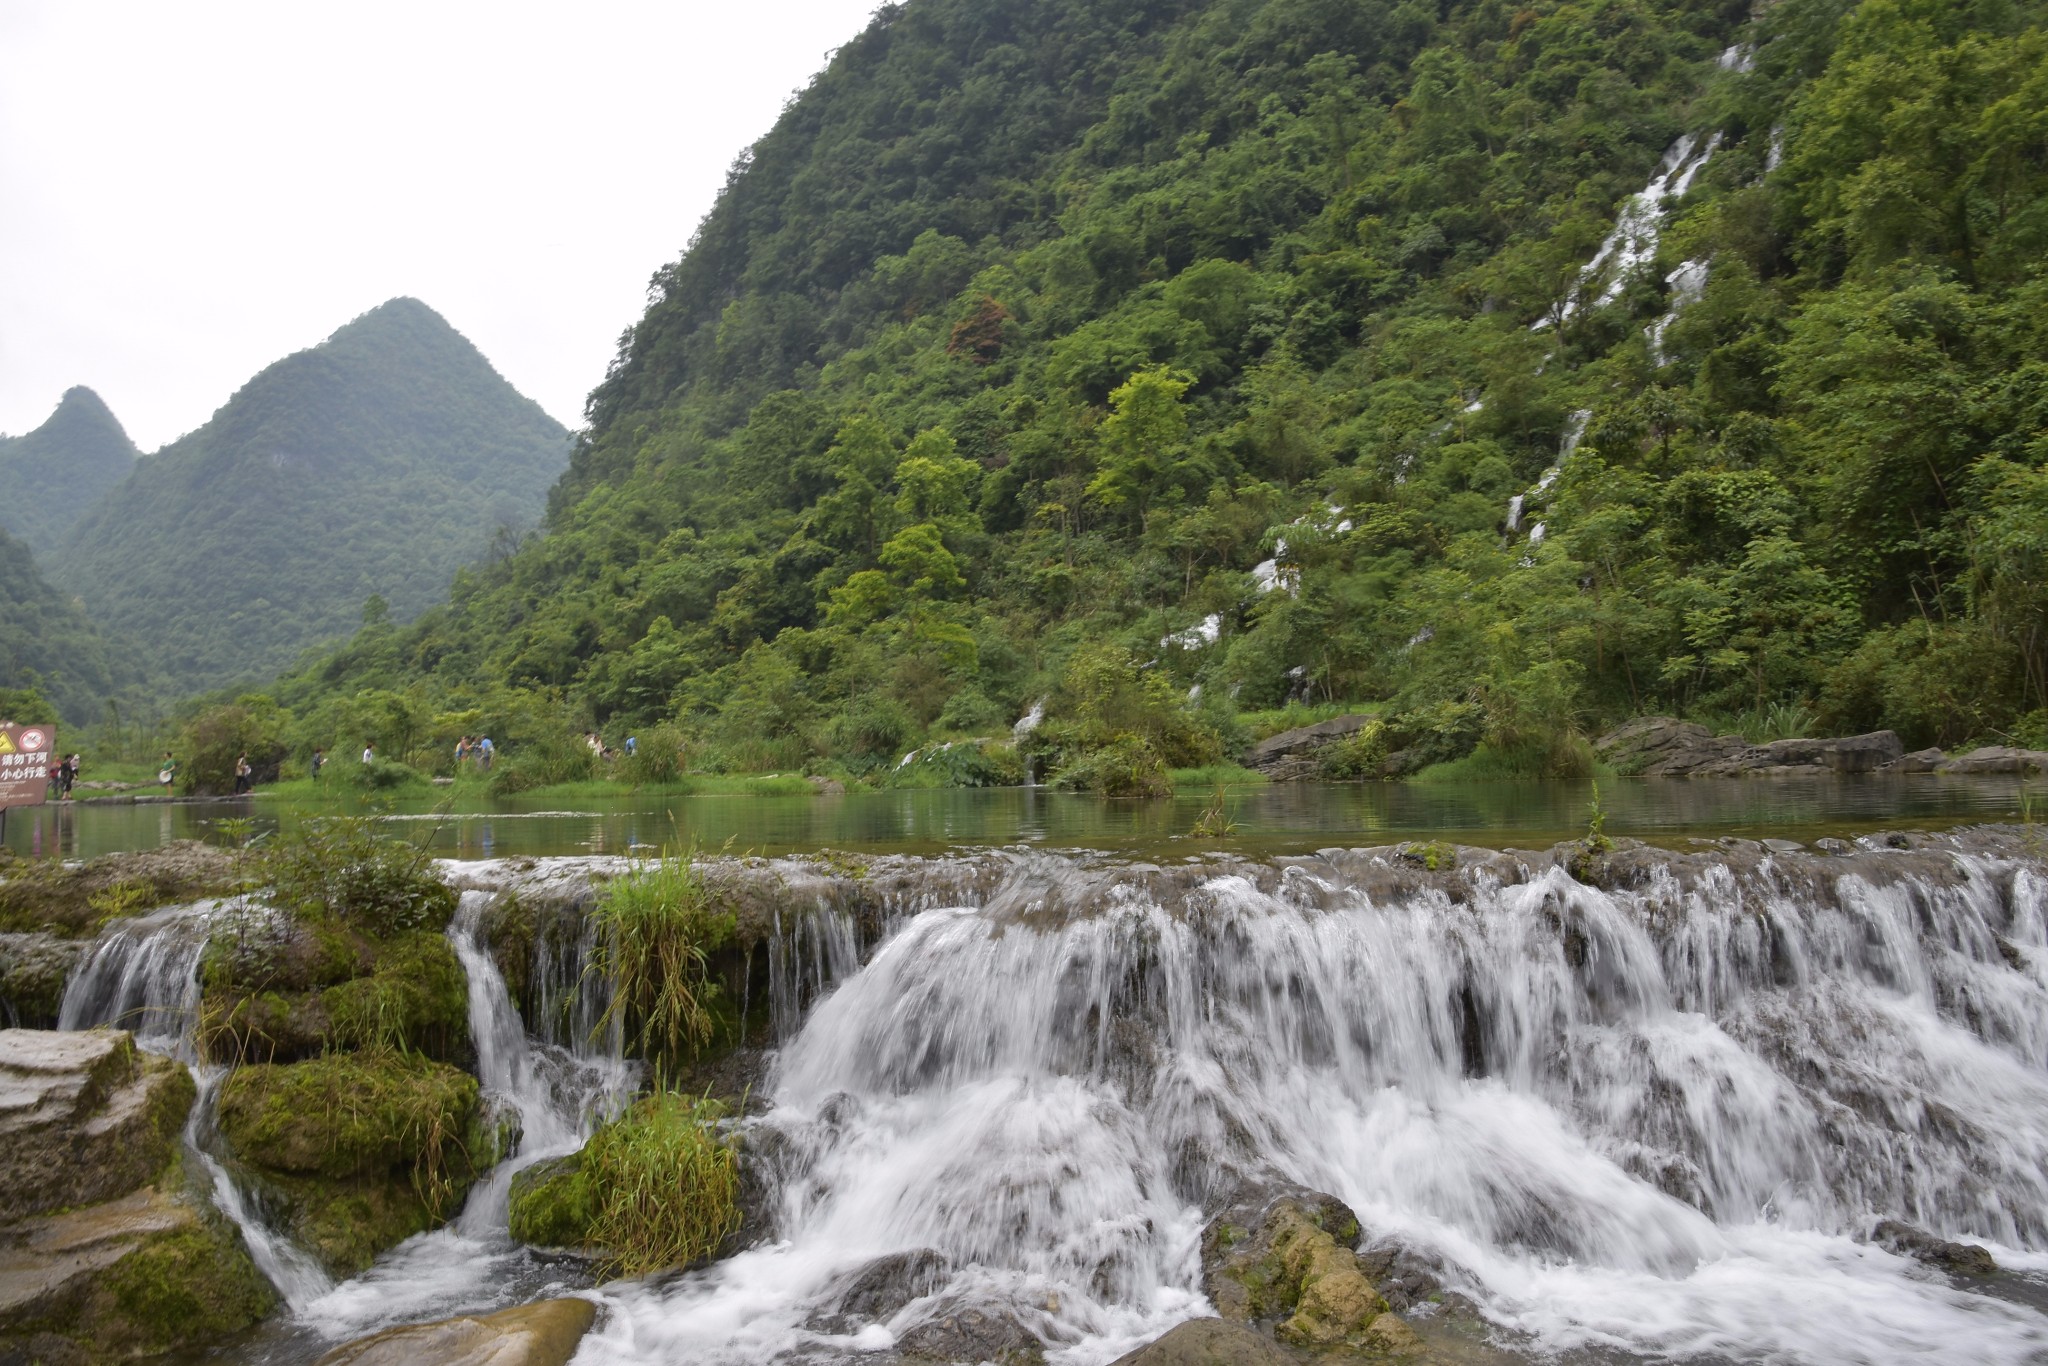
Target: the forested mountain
(53, 474)
(1512, 367)
(368, 467)
(47, 644)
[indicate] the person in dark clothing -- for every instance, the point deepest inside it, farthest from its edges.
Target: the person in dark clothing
(244, 775)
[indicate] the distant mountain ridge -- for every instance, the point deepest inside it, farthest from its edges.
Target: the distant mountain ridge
(376, 463)
(53, 474)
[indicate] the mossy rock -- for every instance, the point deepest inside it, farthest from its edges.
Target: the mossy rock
(33, 970)
(362, 1149)
(154, 1271)
(74, 900)
(553, 1204)
(323, 986)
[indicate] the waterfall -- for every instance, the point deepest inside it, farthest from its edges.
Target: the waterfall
(1686, 284)
(1658, 1121)
(298, 1278)
(143, 975)
(1638, 227)
(559, 1093)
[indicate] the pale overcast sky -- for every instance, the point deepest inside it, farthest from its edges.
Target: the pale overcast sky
(189, 192)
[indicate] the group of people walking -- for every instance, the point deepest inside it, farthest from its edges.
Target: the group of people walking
(476, 751)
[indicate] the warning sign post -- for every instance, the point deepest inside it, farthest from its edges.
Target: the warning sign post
(26, 755)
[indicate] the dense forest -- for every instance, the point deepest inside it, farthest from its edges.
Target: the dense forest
(362, 471)
(52, 661)
(54, 473)
(1506, 369)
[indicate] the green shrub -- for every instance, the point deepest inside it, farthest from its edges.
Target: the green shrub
(1361, 754)
(963, 763)
(369, 1113)
(657, 758)
(1126, 767)
(547, 759)
(345, 867)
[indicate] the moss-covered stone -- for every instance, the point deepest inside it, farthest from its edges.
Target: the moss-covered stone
(33, 970)
(363, 1149)
(152, 1271)
(74, 900)
(307, 989)
(553, 1204)
(1286, 1261)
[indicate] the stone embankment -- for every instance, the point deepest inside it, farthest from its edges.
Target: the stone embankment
(106, 1252)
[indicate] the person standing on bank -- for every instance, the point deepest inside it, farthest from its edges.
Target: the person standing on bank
(319, 762)
(166, 771)
(244, 775)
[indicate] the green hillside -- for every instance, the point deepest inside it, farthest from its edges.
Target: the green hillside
(373, 464)
(1103, 350)
(47, 644)
(53, 474)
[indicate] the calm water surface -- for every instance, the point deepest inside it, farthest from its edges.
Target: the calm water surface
(1293, 817)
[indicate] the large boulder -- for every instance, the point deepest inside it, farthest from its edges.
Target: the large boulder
(1998, 759)
(544, 1333)
(1660, 746)
(1290, 753)
(84, 1116)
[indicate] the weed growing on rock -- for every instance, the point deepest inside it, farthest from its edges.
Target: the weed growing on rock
(657, 927)
(344, 866)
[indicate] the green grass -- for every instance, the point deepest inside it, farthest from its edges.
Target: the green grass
(1264, 724)
(1215, 775)
(656, 928)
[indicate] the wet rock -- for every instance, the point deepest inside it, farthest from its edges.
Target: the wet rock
(1998, 759)
(826, 787)
(1284, 1254)
(1963, 1259)
(84, 1117)
(973, 1333)
(136, 1276)
(1208, 1342)
(1273, 754)
(1661, 746)
(877, 1291)
(544, 1333)
(1919, 761)
(33, 969)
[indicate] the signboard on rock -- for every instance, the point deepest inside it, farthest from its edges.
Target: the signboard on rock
(27, 754)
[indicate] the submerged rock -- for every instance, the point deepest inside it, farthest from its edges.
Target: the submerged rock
(544, 1333)
(974, 1333)
(1966, 1259)
(879, 1290)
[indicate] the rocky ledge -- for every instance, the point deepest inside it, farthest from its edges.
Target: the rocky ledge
(106, 1251)
(1663, 747)
(544, 1333)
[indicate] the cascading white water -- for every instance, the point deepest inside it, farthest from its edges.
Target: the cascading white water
(1652, 1122)
(558, 1092)
(1637, 228)
(298, 1278)
(143, 975)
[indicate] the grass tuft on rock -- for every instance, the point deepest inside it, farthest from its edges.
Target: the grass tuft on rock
(656, 1188)
(657, 928)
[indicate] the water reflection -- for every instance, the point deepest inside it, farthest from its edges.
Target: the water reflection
(1284, 818)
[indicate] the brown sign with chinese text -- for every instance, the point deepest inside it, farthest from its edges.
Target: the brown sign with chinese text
(27, 754)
